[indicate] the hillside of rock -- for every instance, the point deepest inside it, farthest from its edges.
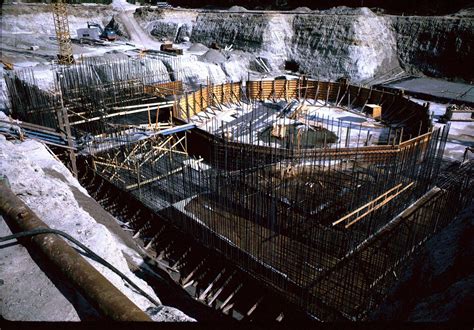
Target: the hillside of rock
(334, 43)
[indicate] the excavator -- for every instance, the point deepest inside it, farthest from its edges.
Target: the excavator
(105, 34)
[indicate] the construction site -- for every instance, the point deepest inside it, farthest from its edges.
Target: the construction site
(257, 188)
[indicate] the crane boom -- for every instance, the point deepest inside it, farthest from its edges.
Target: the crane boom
(61, 26)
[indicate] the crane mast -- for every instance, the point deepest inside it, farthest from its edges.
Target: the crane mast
(61, 26)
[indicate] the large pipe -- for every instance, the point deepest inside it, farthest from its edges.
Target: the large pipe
(94, 287)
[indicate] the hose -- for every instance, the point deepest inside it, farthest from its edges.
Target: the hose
(91, 253)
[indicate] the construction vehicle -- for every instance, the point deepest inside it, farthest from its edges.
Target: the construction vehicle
(6, 65)
(163, 5)
(106, 33)
(168, 47)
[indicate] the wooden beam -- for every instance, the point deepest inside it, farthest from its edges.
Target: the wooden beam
(157, 178)
(218, 292)
(228, 299)
(152, 151)
(366, 205)
(121, 113)
(385, 201)
(252, 309)
(203, 295)
(112, 165)
(372, 206)
(189, 277)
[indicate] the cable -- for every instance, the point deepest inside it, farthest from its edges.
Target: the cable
(85, 248)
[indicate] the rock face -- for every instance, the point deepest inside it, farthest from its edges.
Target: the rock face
(243, 31)
(436, 46)
(334, 43)
(171, 31)
(358, 46)
(438, 283)
(170, 25)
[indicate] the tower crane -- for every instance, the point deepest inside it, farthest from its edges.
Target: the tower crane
(65, 56)
(61, 26)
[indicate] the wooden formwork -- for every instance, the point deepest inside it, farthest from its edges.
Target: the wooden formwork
(397, 110)
(195, 102)
(165, 89)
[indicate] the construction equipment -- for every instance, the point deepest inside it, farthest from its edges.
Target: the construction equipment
(6, 65)
(163, 5)
(215, 45)
(106, 33)
(168, 47)
(61, 26)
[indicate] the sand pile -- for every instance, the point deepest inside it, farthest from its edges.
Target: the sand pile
(213, 56)
(198, 47)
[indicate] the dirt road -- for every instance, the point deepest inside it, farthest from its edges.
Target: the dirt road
(137, 35)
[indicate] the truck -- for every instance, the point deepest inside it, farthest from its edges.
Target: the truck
(168, 47)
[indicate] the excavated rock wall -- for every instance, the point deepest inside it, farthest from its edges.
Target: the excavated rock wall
(357, 43)
(243, 31)
(436, 46)
(357, 46)
(170, 25)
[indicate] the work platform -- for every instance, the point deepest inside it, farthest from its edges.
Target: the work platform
(436, 89)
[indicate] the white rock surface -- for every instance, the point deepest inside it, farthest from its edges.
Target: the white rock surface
(331, 43)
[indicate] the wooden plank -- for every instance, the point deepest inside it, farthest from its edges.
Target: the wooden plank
(385, 201)
(121, 113)
(366, 205)
(218, 292)
(228, 299)
(203, 295)
(188, 278)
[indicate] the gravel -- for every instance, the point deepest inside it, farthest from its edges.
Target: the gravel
(198, 47)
